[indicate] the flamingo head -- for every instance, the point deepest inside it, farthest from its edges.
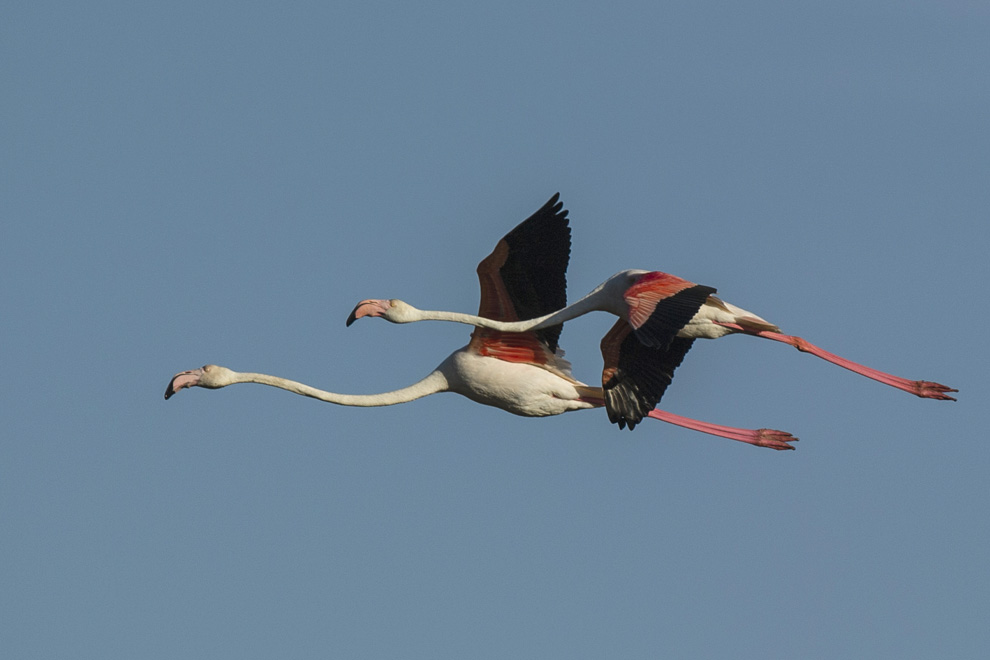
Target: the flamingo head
(393, 310)
(210, 376)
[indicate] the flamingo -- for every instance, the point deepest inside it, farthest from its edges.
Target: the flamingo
(524, 372)
(660, 311)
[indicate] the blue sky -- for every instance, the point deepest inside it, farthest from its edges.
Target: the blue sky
(221, 182)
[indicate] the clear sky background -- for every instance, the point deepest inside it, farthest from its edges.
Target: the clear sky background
(192, 182)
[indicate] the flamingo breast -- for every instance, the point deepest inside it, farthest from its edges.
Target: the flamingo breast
(517, 387)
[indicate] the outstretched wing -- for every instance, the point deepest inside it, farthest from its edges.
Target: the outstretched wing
(525, 276)
(636, 375)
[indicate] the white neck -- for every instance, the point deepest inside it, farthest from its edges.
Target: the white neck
(433, 383)
(602, 299)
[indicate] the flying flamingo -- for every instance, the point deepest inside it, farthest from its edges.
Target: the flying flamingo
(662, 312)
(523, 372)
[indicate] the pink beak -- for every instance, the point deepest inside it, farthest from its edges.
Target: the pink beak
(183, 380)
(368, 308)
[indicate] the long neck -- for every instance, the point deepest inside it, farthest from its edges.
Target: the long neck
(601, 299)
(433, 383)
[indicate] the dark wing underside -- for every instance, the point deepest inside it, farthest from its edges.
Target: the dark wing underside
(526, 275)
(635, 375)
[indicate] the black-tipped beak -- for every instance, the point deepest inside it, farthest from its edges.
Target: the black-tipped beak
(367, 308)
(181, 381)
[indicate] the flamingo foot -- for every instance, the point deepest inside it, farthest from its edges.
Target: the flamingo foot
(774, 439)
(926, 389)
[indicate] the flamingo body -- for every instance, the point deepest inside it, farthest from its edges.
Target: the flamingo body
(520, 388)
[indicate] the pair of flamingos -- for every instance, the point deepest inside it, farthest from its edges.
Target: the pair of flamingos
(512, 361)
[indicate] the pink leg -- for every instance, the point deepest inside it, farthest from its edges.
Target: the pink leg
(923, 388)
(760, 437)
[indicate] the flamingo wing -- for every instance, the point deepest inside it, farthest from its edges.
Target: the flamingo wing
(525, 276)
(636, 375)
(659, 305)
